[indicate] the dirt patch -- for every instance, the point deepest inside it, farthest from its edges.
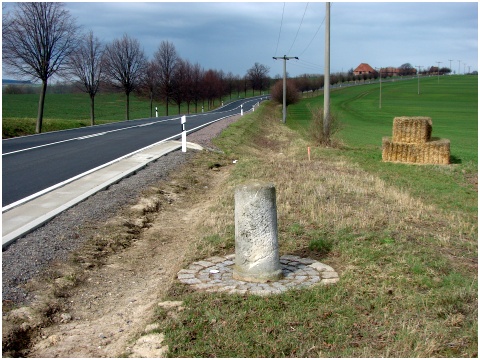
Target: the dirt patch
(108, 313)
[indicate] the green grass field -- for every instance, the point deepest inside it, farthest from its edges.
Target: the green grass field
(451, 102)
(65, 111)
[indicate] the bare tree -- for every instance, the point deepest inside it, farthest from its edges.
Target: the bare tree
(187, 85)
(238, 85)
(213, 86)
(221, 85)
(166, 58)
(40, 37)
(150, 85)
(197, 85)
(125, 66)
(180, 83)
(258, 76)
(406, 69)
(230, 83)
(245, 84)
(86, 65)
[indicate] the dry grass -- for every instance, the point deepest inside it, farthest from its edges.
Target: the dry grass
(333, 195)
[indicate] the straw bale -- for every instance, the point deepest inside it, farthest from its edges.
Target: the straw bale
(398, 152)
(432, 152)
(435, 152)
(412, 130)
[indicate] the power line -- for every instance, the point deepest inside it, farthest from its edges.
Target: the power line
(301, 22)
(310, 63)
(310, 43)
(308, 67)
(281, 23)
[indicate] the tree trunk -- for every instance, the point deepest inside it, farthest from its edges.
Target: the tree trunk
(166, 105)
(128, 106)
(92, 109)
(151, 104)
(41, 105)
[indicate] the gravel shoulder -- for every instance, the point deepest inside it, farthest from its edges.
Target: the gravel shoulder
(111, 306)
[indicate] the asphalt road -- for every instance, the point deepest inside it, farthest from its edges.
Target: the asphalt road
(32, 164)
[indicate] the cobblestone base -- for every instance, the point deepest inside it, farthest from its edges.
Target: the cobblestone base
(215, 275)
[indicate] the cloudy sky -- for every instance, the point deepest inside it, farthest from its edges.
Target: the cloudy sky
(232, 36)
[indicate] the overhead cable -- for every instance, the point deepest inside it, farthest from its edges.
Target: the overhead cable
(281, 23)
(310, 63)
(288, 52)
(310, 43)
(306, 66)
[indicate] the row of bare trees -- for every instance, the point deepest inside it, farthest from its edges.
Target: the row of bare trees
(40, 39)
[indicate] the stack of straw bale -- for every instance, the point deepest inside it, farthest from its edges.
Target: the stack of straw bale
(412, 143)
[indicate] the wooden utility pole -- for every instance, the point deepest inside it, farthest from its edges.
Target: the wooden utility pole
(285, 58)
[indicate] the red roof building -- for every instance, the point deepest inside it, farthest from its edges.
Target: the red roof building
(363, 69)
(389, 71)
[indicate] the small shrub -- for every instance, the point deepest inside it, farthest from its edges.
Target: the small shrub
(292, 96)
(317, 131)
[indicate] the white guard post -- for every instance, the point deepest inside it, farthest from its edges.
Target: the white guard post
(184, 134)
(241, 110)
(156, 111)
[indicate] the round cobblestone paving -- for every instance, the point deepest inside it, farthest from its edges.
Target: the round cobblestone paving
(215, 274)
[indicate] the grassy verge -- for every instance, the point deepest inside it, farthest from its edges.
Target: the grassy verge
(408, 268)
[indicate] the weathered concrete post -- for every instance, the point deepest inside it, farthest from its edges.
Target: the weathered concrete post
(256, 244)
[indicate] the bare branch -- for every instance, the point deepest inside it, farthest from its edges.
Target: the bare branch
(40, 37)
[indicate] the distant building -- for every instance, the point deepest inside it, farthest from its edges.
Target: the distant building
(392, 71)
(363, 69)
